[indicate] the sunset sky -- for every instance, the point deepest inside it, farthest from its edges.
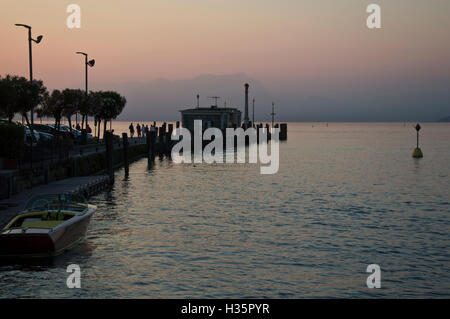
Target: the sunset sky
(295, 49)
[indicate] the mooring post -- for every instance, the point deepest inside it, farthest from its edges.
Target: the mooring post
(164, 134)
(152, 144)
(160, 139)
(109, 156)
(283, 131)
(148, 140)
(169, 139)
(125, 153)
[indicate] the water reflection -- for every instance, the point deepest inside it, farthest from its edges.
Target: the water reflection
(346, 196)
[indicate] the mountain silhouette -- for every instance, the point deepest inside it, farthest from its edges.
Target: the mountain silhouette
(162, 99)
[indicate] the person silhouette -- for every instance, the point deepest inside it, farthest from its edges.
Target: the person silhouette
(131, 127)
(138, 129)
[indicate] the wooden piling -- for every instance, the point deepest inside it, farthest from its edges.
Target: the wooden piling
(150, 148)
(283, 132)
(109, 156)
(169, 140)
(161, 132)
(125, 153)
(152, 143)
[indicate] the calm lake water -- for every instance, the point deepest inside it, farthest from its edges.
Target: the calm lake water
(346, 196)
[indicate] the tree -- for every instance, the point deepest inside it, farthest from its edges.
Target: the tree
(18, 95)
(8, 97)
(27, 96)
(40, 113)
(96, 100)
(71, 103)
(108, 105)
(53, 106)
(85, 108)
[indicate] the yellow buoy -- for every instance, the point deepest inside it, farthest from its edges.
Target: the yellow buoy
(417, 153)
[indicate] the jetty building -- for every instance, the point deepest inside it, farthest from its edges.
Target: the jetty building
(220, 117)
(214, 116)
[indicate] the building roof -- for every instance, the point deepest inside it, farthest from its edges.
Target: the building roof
(211, 110)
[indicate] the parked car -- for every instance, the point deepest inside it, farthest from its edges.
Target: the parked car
(75, 132)
(45, 128)
(28, 139)
(46, 133)
(45, 138)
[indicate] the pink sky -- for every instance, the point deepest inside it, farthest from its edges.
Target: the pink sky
(285, 44)
(142, 40)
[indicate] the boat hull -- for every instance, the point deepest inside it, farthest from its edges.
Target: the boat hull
(37, 243)
(14, 245)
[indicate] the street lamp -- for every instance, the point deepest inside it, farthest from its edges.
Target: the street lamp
(30, 39)
(87, 63)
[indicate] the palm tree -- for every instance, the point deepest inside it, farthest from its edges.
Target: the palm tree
(71, 101)
(53, 106)
(96, 100)
(108, 105)
(40, 113)
(85, 108)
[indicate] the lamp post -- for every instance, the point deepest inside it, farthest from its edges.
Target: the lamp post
(30, 40)
(87, 63)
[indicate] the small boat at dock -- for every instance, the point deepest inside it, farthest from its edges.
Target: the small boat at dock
(48, 226)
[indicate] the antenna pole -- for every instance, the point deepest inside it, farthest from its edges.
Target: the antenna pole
(215, 98)
(273, 112)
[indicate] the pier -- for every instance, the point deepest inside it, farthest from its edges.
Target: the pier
(113, 152)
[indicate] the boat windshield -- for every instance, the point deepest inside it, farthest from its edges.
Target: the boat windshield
(57, 202)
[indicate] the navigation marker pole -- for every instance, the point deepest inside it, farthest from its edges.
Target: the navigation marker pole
(417, 153)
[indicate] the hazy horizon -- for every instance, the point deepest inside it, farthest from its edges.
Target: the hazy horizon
(316, 60)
